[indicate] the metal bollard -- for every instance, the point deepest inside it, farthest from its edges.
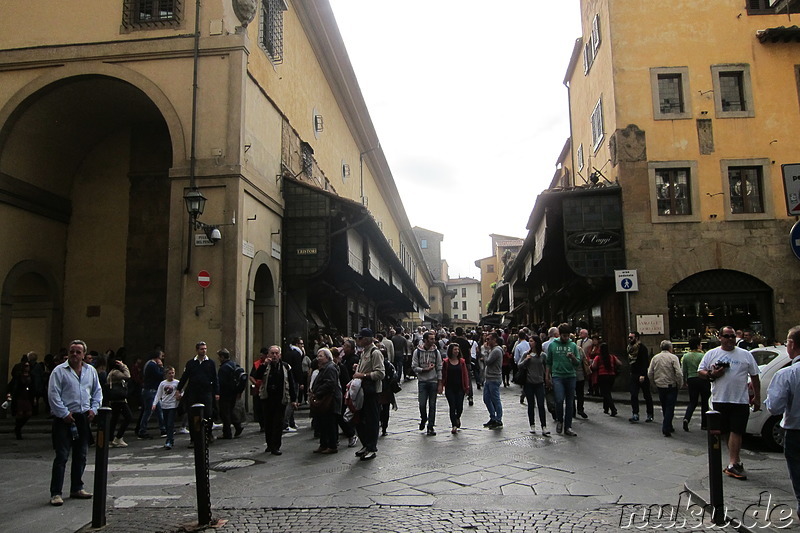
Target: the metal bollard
(101, 467)
(201, 467)
(715, 467)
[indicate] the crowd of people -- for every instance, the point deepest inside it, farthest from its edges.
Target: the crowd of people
(349, 385)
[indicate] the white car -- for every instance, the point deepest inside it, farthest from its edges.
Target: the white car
(770, 359)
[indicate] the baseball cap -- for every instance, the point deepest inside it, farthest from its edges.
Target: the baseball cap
(365, 332)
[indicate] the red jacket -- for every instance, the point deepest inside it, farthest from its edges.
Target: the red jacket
(464, 373)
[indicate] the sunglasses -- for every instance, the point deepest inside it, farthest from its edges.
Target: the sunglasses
(728, 336)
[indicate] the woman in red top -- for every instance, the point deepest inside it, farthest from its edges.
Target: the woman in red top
(606, 365)
(455, 383)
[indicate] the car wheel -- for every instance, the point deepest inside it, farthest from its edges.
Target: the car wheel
(772, 433)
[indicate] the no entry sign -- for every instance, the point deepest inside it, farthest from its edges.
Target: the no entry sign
(203, 279)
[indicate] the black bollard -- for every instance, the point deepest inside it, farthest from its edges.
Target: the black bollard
(715, 468)
(201, 467)
(101, 467)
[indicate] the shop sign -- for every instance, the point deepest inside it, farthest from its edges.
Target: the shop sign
(306, 251)
(791, 184)
(650, 324)
(594, 239)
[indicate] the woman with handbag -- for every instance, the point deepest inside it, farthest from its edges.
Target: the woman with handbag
(117, 381)
(532, 368)
(326, 402)
(606, 366)
(455, 384)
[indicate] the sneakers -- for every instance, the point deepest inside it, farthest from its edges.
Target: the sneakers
(634, 418)
(81, 495)
(144, 436)
(545, 433)
(369, 456)
(685, 425)
(489, 423)
(352, 442)
(163, 434)
(119, 443)
(471, 402)
(454, 430)
(56, 500)
(736, 471)
(559, 427)
(569, 433)
(361, 452)
(533, 429)
(168, 446)
(290, 430)
(182, 431)
(649, 418)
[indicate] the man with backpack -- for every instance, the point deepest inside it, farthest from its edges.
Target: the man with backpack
(232, 382)
(427, 364)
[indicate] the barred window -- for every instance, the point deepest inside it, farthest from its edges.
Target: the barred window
(271, 29)
(746, 189)
(143, 14)
(672, 191)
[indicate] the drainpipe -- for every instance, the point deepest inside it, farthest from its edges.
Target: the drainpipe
(192, 151)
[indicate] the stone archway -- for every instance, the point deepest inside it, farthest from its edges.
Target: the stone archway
(30, 314)
(84, 177)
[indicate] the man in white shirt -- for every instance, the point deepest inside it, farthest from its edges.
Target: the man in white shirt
(727, 367)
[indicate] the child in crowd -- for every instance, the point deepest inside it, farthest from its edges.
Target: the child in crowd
(169, 396)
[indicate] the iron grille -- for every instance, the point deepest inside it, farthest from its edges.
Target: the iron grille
(271, 29)
(151, 13)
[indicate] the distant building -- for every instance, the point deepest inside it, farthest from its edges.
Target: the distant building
(465, 301)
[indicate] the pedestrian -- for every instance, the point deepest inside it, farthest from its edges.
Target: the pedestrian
(117, 382)
(427, 364)
(75, 396)
(327, 392)
(532, 367)
(493, 361)
(228, 378)
(167, 397)
(370, 371)
(639, 360)
(728, 367)
(464, 349)
(783, 397)
(665, 371)
(400, 345)
(699, 388)
(277, 392)
(152, 375)
(294, 359)
(606, 365)
(386, 398)
(455, 384)
(345, 375)
(22, 395)
(562, 360)
(199, 384)
(255, 387)
(591, 351)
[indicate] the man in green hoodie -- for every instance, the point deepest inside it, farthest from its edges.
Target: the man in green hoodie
(563, 358)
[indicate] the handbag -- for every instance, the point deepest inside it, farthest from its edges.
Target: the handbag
(321, 406)
(118, 391)
(520, 376)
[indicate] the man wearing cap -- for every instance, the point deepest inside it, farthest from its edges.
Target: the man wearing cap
(370, 371)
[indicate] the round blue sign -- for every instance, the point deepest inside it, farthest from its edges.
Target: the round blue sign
(794, 239)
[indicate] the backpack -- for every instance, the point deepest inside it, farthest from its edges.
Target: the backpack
(240, 379)
(118, 391)
(388, 371)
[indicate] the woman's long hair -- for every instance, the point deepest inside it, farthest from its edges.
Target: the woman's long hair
(452, 346)
(604, 355)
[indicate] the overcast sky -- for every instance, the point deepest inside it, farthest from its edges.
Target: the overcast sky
(469, 105)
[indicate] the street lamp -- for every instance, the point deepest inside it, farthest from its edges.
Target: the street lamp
(195, 203)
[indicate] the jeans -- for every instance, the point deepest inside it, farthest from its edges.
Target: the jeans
(606, 382)
(455, 399)
(226, 406)
(169, 422)
(791, 450)
(648, 398)
(427, 402)
(63, 446)
(148, 395)
(579, 393)
(120, 409)
(491, 397)
(274, 412)
(369, 423)
(399, 362)
(698, 388)
(534, 395)
(668, 396)
(564, 392)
